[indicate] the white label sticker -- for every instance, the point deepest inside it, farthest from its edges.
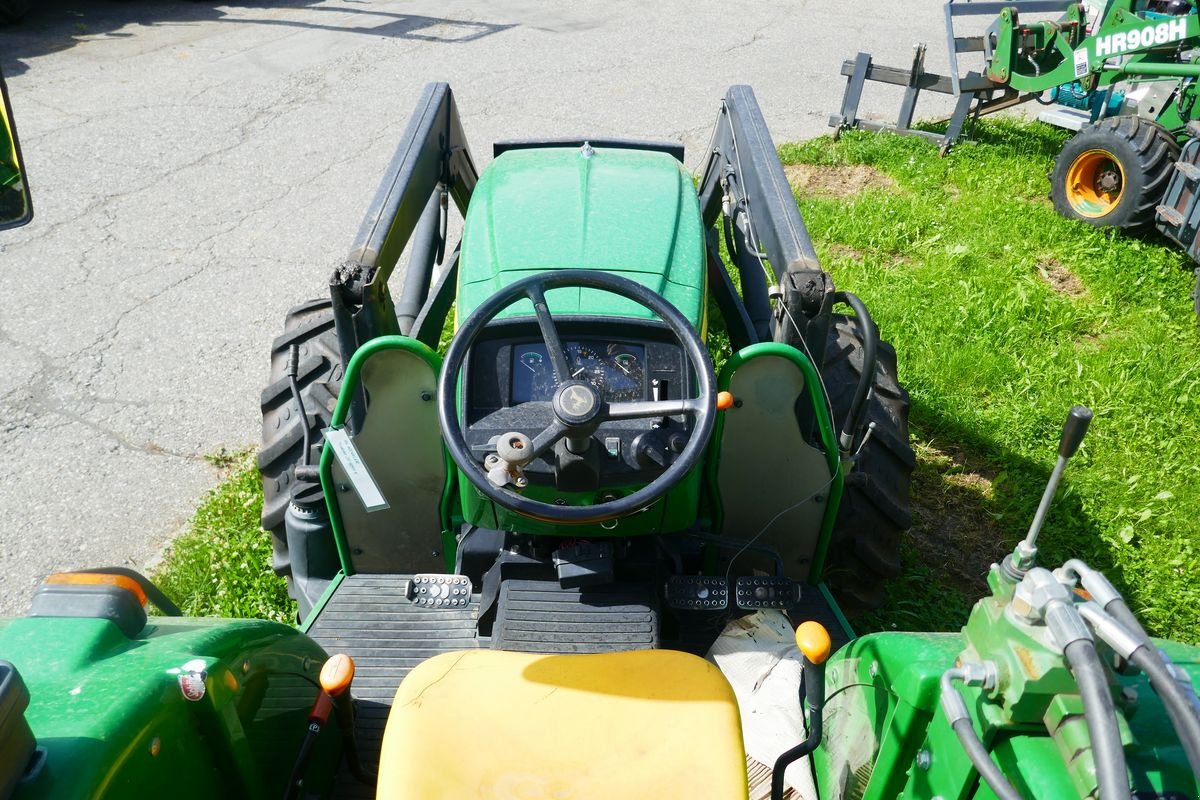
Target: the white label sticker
(1081, 62)
(356, 470)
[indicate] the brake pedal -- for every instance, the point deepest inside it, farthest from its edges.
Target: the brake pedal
(697, 593)
(439, 591)
(754, 592)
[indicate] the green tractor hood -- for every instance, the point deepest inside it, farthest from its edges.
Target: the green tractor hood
(632, 213)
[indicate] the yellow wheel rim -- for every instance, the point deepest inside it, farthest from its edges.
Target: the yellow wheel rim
(1095, 181)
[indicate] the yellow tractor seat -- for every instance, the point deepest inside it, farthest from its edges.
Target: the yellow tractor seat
(519, 726)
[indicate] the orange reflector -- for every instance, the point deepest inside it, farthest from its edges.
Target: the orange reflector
(337, 674)
(98, 579)
(813, 641)
(724, 401)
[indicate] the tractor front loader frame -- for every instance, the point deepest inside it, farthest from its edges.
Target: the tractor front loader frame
(432, 163)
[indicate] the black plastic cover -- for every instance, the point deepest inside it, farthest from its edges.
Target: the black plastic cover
(16, 738)
(101, 601)
(586, 564)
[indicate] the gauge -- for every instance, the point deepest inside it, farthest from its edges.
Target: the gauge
(585, 364)
(624, 374)
(534, 361)
(532, 378)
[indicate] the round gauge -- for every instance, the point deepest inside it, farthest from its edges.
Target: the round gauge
(585, 364)
(625, 377)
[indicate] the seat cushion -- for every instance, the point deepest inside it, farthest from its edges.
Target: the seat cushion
(495, 724)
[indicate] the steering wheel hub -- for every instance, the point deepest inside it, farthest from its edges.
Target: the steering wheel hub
(576, 403)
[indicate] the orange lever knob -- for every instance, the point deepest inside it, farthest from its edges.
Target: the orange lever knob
(813, 641)
(337, 674)
(724, 401)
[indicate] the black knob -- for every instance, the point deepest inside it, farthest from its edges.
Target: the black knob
(1078, 419)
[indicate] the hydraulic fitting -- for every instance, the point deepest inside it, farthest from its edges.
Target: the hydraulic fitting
(1108, 629)
(1098, 586)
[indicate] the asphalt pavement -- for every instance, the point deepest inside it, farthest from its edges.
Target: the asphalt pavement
(199, 168)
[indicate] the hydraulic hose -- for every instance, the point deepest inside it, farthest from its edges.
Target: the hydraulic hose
(1135, 647)
(1106, 595)
(426, 244)
(293, 370)
(1101, 717)
(866, 380)
(1173, 696)
(960, 720)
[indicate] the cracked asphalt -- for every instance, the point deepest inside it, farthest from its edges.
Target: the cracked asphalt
(199, 168)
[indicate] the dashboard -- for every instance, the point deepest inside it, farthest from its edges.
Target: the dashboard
(508, 382)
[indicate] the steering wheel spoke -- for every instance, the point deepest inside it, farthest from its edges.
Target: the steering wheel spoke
(643, 409)
(554, 345)
(546, 439)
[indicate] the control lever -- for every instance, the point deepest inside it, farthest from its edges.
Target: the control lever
(1024, 556)
(815, 646)
(335, 680)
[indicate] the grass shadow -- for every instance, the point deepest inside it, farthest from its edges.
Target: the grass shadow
(972, 502)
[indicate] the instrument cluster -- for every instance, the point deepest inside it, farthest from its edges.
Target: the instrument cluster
(616, 369)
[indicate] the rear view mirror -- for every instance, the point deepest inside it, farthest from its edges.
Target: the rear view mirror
(16, 207)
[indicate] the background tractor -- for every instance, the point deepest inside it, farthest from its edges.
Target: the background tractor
(558, 552)
(1122, 73)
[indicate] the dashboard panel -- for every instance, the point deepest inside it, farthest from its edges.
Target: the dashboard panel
(508, 382)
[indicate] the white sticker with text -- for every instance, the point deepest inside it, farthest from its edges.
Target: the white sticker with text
(356, 470)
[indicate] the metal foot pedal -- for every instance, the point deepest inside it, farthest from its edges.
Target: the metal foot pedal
(440, 591)
(697, 593)
(755, 592)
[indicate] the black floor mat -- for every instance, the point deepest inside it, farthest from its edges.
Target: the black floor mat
(371, 619)
(541, 617)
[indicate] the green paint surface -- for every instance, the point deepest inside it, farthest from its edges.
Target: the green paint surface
(883, 702)
(625, 212)
(113, 721)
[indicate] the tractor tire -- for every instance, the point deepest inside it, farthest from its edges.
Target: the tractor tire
(876, 505)
(14, 10)
(1114, 172)
(310, 326)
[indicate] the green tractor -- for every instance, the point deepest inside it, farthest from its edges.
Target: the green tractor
(557, 553)
(1122, 73)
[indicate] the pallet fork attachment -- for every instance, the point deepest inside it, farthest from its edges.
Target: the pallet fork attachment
(976, 95)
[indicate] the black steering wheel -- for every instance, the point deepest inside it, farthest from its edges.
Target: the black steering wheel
(578, 407)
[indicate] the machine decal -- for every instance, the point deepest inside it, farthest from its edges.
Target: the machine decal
(191, 679)
(1081, 62)
(1117, 43)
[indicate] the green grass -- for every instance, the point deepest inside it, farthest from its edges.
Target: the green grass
(221, 566)
(950, 261)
